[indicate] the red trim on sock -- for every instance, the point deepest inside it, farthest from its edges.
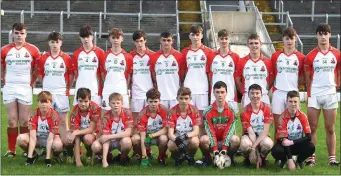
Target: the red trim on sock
(24, 130)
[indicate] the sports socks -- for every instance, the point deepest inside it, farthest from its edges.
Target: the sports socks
(332, 158)
(12, 134)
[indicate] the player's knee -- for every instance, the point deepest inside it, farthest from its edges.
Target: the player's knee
(204, 141)
(96, 147)
(57, 146)
(245, 146)
(266, 144)
(12, 123)
(234, 141)
(22, 140)
(171, 146)
(330, 130)
(277, 151)
(135, 139)
(126, 142)
(194, 142)
(311, 148)
(89, 139)
(23, 122)
(163, 139)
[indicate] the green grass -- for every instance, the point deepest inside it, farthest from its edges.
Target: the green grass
(15, 166)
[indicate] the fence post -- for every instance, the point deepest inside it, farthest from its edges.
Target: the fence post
(279, 10)
(22, 17)
(61, 22)
(139, 21)
(105, 9)
(95, 38)
(100, 25)
(282, 11)
(141, 8)
(338, 42)
(32, 8)
(275, 4)
(10, 39)
(327, 18)
(312, 10)
(68, 8)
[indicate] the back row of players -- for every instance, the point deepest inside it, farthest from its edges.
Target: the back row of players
(197, 68)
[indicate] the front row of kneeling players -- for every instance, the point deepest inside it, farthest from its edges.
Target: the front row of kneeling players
(177, 131)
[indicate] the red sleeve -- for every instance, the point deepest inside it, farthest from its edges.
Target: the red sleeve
(282, 131)
(107, 122)
(210, 59)
(95, 114)
(308, 61)
(245, 118)
(129, 61)
(305, 123)
(75, 120)
(128, 119)
(41, 65)
(338, 59)
(268, 65)
(153, 59)
(184, 56)
(210, 130)
(163, 115)
(54, 123)
(240, 67)
(268, 117)
(4, 51)
(102, 64)
(34, 51)
(75, 60)
(142, 124)
(33, 122)
(274, 58)
(235, 57)
(172, 117)
(230, 126)
(180, 59)
(195, 116)
(300, 57)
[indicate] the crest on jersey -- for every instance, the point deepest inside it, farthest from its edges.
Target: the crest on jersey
(61, 65)
(159, 72)
(262, 69)
(94, 59)
(203, 58)
(54, 65)
(87, 59)
(230, 64)
(215, 62)
(299, 127)
(333, 61)
(295, 63)
(148, 63)
(135, 63)
(104, 104)
(122, 63)
(188, 58)
(247, 77)
(27, 55)
(173, 64)
(280, 70)
(9, 62)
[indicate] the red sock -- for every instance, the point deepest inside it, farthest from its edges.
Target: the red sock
(24, 130)
(12, 134)
(148, 150)
(162, 155)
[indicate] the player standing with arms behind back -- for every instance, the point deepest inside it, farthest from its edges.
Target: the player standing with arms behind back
(322, 74)
(18, 61)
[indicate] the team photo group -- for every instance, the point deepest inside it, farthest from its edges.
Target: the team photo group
(182, 102)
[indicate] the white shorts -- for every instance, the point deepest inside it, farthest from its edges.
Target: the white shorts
(246, 100)
(200, 101)
(60, 103)
(279, 101)
(232, 104)
(323, 101)
(137, 105)
(105, 101)
(97, 99)
(22, 94)
(169, 103)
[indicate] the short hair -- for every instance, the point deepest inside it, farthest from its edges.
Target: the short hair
(253, 37)
(219, 84)
(55, 36)
(139, 34)
(323, 28)
(115, 96)
(83, 93)
(18, 26)
(44, 97)
(115, 33)
(85, 31)
(153, 93)
(290, 32)
(166, 34)
(183, 91)
(292, 94)
(223, 33)
(196, 29)
(255, 87)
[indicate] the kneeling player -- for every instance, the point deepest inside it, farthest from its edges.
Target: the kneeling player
(256, 120)
(293, 135)
(84, 118)
(117, 125)
(152, 127)
(183, 121)
(43, 126)
(220, 126)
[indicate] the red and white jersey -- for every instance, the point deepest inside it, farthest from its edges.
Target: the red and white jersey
(195, 62)
(56, 72)
(323, 68)
(167, 70)
(79, 122)
(183, 125)
(87, 65)
(149, 124)
(255, 72)
(19, 63)
(287, 69)
(116, 126)
(223, 68)
(44, 126)
(256, 120)
(141, 79)
(293, 128)
(116, 68)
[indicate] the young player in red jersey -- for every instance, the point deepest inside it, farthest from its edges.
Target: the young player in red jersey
(294, 134)
(55, 72)
(256, 119)
(322, 74)
(166, 67)
(288, 73)
(152, 122)
(86, 62)
(194, 74)
(116, 130)
(116, 70)
(183, 128)
(221, 66)
(18, 73)
(220, 124)
(84, 120)
(254, 69)
(43, 133)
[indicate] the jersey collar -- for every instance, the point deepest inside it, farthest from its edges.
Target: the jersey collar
(287, 114)
(215, 107)
(249, 107)
(178, 111)
(48, 114)
(61, 53)
(202, 46)
(294, 52)
(261, 57)
(146, 52)
(149, 114)
(94, 47)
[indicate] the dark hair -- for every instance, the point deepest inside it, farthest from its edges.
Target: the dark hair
(196, 29)
(253, 37)
(292, 94)
(223, 33)
(166, 34)
(139, 34)
(153, 93)
(323, 28)
(183, 91)
(19, 26)
(55, 36)
(83, 93)
(219, 84)
(85, 31)
(44, 97)
(255, 87)
(115, 33)
(290, 32)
